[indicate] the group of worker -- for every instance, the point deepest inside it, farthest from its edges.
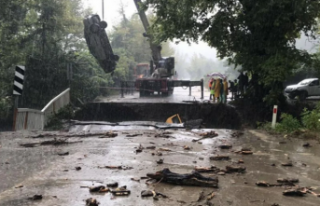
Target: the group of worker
(218, 90)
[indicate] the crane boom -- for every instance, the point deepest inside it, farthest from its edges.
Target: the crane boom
(155, 49)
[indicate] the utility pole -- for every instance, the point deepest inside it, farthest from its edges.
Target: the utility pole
(102, 1)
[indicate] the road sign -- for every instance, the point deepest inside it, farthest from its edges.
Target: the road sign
(18, 80)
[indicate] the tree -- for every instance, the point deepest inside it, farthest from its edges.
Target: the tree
(258, 35)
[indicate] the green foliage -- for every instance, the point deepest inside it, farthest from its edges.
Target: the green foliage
(288, 124)
(311, 119)
(258, 35)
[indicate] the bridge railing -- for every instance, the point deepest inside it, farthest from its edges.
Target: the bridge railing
(31, 119)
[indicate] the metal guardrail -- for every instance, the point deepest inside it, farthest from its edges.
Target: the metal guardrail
(31, 119)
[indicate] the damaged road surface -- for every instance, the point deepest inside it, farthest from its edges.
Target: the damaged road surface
(112, 172)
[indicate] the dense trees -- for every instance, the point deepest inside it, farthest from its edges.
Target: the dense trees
(259, 35)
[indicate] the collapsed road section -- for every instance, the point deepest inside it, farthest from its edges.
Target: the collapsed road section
(212, 115)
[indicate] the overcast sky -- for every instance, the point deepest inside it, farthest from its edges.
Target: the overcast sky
(112, 17)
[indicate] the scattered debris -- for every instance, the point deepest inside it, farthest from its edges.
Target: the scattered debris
(152, 193)
(135, 179)
(185, 147)
(192, 179)
(109, 134)
(140, 149)
(306, 144)
(206, 135)
(160, 161)
(234, 168)
(35, 197)
(225, 146)
(164, 135)
(295, 192)
(92, 202)
(213, 169)
(164, 149)
(244, 151)
(54, 142)
(210, 196)
(240, 161)
(151, 147)
(220, 157)
(78, 168)
(282, 142)
(288, 164)
(237, 134)
(133, 135)
(19, 186)
(116, 167)
(97, 188)
(113, 184)
(121, 191)
(63, 153)
(288, 181)
(201, 196)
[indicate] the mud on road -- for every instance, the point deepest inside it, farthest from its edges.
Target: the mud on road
(63, 173)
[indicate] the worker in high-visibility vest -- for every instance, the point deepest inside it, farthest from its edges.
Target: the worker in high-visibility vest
(210, 85)
(225, 90)
(212, 90)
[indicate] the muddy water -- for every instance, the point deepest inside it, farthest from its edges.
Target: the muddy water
(41, 171)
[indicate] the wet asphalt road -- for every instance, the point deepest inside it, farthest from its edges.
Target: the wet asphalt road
(40, 170)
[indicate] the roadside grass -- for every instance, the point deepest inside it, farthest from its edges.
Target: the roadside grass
(307, 127)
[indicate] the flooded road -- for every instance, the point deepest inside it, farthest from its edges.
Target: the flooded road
(39, 169)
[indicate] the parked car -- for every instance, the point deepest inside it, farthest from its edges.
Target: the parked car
(304, 89)
(98, 42)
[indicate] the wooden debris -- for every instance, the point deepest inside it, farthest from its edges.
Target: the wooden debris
(213, 169)
(295, 192)
(19, 186)
(97, 188)
(160, 161)
(135, 179)
(244, 151)
(306, 144)
(237, 134)
(210, 196)
(151, 147)
(206, 135)
(92, 202)
(288, 164)
(220, 157)
(240, 161)
(78, 168)
(121, 191)
(185, 147)
(287, 181)
(63, 153)
(113, 184)
(225, 146)
(109, 134)
(164, 149)
(140, 149)
(152, 193)
(133, 135)
(235, 168)
(262, 184)
(35, 197)
(116, 167)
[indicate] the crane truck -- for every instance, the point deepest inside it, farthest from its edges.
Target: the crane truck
(161, 68)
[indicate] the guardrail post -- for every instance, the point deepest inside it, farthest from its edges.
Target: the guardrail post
(201, 82)
(122, 85)
(189, 88)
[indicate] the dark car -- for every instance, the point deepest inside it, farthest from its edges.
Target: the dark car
(98, 42)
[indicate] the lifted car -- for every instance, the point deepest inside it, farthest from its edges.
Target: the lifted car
(304, 89)
(98, 42)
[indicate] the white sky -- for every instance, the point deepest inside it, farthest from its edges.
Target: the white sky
(112, 17)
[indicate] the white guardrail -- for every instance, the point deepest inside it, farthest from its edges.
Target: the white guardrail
(31, 119)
